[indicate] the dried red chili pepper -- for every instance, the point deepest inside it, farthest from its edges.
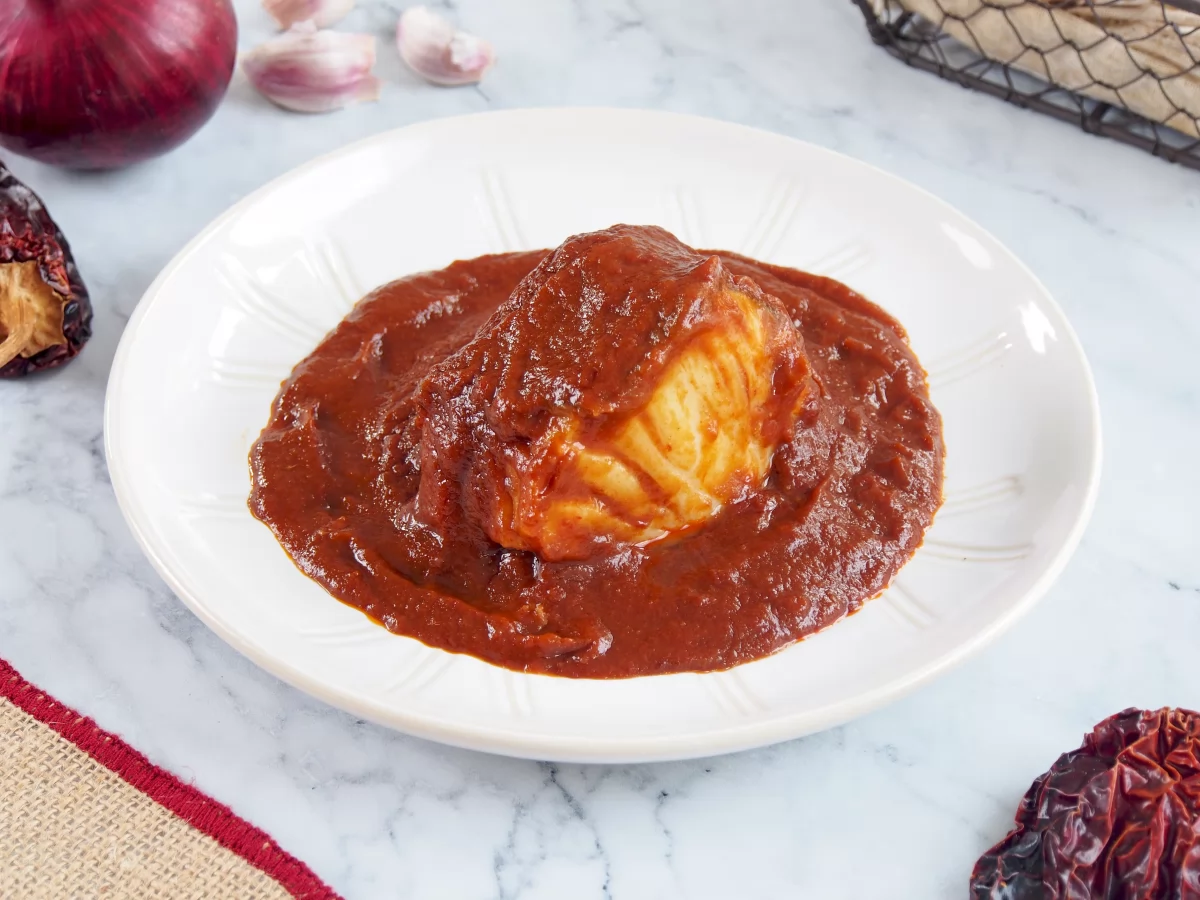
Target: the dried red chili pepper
(45, 314)
(1117, 819)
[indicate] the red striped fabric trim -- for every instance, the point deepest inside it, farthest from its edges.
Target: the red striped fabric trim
(198, 810)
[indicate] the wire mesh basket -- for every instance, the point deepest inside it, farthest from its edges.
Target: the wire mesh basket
(1127, 69)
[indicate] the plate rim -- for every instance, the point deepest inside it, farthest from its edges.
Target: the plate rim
(674, 746)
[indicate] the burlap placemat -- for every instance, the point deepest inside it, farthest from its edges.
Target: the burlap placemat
(84, 815)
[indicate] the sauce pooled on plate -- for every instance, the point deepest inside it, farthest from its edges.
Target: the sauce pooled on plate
(616, 458)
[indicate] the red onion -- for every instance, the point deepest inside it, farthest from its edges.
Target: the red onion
(93, 84)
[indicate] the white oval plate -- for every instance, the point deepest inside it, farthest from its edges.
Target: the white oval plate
(203, 356)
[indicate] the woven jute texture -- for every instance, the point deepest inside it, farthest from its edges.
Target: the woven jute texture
(71, 828)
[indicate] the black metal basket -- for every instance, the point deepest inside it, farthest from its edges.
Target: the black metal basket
(1126, 69)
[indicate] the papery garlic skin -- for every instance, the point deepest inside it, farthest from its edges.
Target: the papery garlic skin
(306, 70)
(322, 13)
(438, 52)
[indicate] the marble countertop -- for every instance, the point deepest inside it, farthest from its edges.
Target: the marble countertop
(899, 803)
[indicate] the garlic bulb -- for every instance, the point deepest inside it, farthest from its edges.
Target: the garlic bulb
(437, 52)
(307, 70)
(322, 13)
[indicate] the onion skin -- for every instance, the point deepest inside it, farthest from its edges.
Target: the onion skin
(94, 84)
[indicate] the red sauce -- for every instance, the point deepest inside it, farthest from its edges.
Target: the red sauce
(378, 470)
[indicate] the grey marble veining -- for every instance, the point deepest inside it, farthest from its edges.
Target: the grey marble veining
(897, 804)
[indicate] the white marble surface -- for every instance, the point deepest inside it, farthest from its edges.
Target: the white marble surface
(897, 804)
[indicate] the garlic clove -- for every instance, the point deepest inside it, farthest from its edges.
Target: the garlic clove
(437, 52)
(322, 13)
(307, 70)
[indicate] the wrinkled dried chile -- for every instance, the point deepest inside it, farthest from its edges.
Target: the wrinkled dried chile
(45, 314)
(1117, 819)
